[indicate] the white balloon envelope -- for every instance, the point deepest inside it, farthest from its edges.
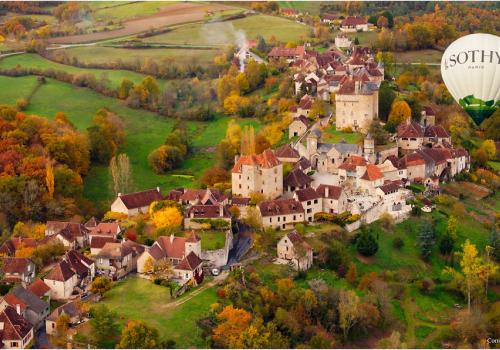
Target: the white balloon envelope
(470, 68)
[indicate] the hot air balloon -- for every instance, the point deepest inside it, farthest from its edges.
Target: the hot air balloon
(470, 68)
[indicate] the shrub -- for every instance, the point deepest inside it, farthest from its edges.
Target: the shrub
(21, 104)
(398, 243)
(366, 244)
(425, 285)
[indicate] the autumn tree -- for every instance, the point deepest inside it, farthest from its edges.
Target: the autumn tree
(106, 135)
(349, 311)
(121, 174)
(231, 322)
(103, 323)
(351, 274)
(400, 113)
(139, 335)
(491, 126)
(247, 147)
(124, 89)
(49, 178)
(100, 285)
(167, 218)
(162, 270)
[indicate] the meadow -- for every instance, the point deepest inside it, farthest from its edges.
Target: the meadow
(145, 132)
(138, 299)
(122, 11)
(312, 7)
(221, 33)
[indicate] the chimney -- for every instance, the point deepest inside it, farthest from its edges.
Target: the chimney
(326, 191)
(221, 211)
(236, 157)
(1, 326)
(119, 194)
(171, 237)
(18, 309)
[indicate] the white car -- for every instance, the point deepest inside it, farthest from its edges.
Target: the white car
(426, 209)
(215, 272)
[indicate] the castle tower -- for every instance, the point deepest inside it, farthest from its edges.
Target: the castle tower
(193, 244)
(369, 149)
(312, 141)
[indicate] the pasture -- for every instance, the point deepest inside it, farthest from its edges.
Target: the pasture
(145, 132)
(138, 299)
(102, 55)
(223, 33)
(311, 7)
(419, 56)
(115, 76)
(126, 10)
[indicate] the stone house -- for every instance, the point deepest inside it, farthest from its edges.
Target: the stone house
(351, 170)
(354, 24)
(191, 196)
(40, 289)
(333, 199)
(106, 229)
(342, 41)
(32, 308)
(69, 309)
(371, 179)
(118, 259)
(280, 213)
(305, 105)
(197, 215)
(296, 180)
(287, 154)
(311, 202)
(98, 242)
(356, 104)
(18, 270)
(262, 173)
(135, 203)
(242, 203)
(190, 268)
(15, 331)
(293, 248)
(72, 235)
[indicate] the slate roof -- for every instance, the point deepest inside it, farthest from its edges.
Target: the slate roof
(297, 178)
(32, 301)
(302, 164)
(280, 207)
(15, 327)
(70, 309)
(346, 148)
(141, 199)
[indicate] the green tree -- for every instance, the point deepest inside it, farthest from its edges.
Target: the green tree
(139, 335)
(101, 285)
(366, 244)
(386, 96)
(103, 324)
(491, 126)
(124, 89)
(426, 240)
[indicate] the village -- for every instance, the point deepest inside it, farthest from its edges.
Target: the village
(305, 181)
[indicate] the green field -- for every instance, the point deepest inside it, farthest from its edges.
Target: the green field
(419, 56)
(104, 55)
(211, 240)
(312, 7)
(223, 33)
(127, 10)
(145, 132)
(36, 61)
(334, 136)
(138, 299)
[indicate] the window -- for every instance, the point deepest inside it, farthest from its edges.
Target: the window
(315, 201)
(294, 217)
(308, 202)
(279, 219)
(239, 186)
(270, 219)
(14, 344)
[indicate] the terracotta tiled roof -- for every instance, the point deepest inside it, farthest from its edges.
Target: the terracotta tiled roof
(208, 211)
(10, 246)
(412, 159)
(439, 156)
(15, 327)
(410, 129)
(352, 162)
(114, 251)
(13, 300)
(15, 265)
(175, 195)
(306, 102)
(39, 288)
(61, 272)
(91, 223)
(193, 237)
(280, 207)
(172, 246)
(240, 201)
(334, 192)
(190, 262)
(296, 239)
(266, 159)
(278, 52)
(79, 263)
(156, 252)
(429, 111)
(297, 178)
(306, 194)
(353, 21)
(141, 199)
(436, 131)
(106, 228)
(372, 173)
(390, 187)
(98, 242)
(287, 151)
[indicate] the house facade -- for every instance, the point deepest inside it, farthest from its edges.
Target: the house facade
(132, 204)
(292, 248)
(280, 213)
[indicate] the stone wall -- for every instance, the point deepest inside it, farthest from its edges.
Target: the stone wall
(218, 257)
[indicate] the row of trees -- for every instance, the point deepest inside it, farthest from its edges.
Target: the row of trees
(169, 155)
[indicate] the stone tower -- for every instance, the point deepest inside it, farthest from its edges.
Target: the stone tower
(312, 141)
(369, 149)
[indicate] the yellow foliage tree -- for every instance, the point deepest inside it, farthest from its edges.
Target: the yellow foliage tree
(49, 178)
(169, 217)
(231, 323)
(24, 252)
(400, 112)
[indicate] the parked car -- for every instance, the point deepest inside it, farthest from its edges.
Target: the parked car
(215, 272)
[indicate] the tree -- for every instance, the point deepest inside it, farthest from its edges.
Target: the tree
(62, 326)
(400, 113)
(317, 108)
(164, 158)
(391, 342)
(49, 179)
(379, 134)
(426, 240)
(247, 147)
(446, 244)
(366, 244)
(100, 285)
(124, 89)
(231, 322)
(139, 335)
(169, 218)
(103, 324)
(351, 274)
(162, 270)
(386, 98)
(215, 175)
(491, 126)
(119, 168)
(349, 311)
(382, 22)
(148, 265)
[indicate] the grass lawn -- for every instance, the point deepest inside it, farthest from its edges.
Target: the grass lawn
(334, 136)
(18, 88)
(100, 55)
(312, 7)
(36, 61)
(223, 33)
(211, 240)
(494, 165)
(138, 299)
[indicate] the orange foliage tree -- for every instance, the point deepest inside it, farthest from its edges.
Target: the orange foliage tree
(232, 322)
